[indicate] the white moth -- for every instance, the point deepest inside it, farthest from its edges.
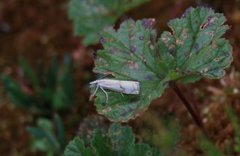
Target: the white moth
(121, 86)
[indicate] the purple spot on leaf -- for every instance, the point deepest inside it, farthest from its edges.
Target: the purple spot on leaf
(133, 48)
(226, 54)
(141, 38)
(149, 77)
(172, 51)
(102, 40)
(196, 46)
(148, 23)
(94, 55)
(210, 21)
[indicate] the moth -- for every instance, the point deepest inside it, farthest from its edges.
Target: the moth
(121, 86)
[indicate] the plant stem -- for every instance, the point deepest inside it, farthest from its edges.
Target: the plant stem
(191, 109)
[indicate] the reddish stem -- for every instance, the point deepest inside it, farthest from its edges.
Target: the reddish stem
(191, 108)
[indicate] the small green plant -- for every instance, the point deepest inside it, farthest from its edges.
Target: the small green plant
(91, 16)
(46, 90)
(194, 49)
(119, 141)
(48, 136)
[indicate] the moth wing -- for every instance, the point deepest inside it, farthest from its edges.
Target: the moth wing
(130, 87)
(113, 85)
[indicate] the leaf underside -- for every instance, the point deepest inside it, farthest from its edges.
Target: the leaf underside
(193, 50)
(118, 141)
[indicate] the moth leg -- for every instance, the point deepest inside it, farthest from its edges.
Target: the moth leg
(94, 93)
(105, 94)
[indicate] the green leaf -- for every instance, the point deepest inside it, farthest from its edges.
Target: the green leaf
(129, 54)
(236, 126)
(45, 124)
(17, 96)
(160, 126)
(77, 148)
(208, 148)
(119, 141)
(29, 73)
(64, 94)
(123, 139)
(124, 143)
(91, 16)
(195, 47)
(102, 144)
(87, 126)
(60, 130)
(44, 137)
(51, 74)
(14, 92)
(36, 132)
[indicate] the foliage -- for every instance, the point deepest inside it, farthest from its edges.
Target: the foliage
(118, 141)
(89, 124)
(208, 148)
(194, 49)
(160, 137)
(236, 126)
(48, 136)
(161, 131)
(44, 91)
(91, 16)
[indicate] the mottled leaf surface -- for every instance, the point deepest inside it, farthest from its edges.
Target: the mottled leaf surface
(195, 48)
(91, 16)
(129, 54)
(119, 141)
(76, 147)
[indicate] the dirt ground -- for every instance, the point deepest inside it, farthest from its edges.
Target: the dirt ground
(39, 29)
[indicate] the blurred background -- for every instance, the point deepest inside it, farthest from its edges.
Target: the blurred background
(46, 65)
